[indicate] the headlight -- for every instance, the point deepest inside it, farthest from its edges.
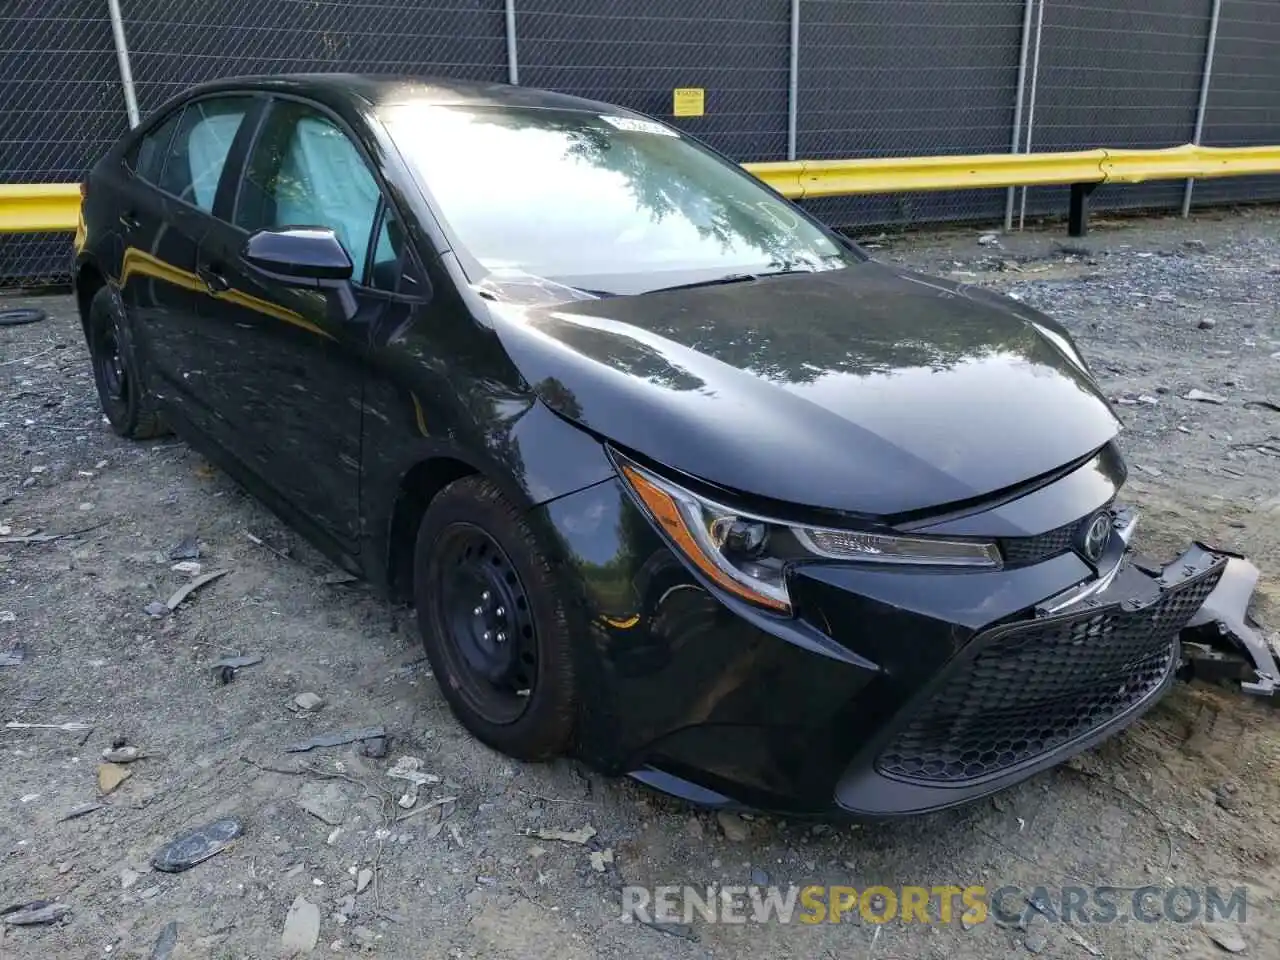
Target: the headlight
(748, 555)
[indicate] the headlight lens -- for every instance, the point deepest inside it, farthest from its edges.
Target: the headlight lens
(748, 555)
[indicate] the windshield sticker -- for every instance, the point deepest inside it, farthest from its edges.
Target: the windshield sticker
(635, 125)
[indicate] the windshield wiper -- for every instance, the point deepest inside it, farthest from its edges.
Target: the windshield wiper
(716, 282)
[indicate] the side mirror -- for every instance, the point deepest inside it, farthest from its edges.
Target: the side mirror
(308, 256)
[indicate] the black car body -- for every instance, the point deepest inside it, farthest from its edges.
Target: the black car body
(812, 534)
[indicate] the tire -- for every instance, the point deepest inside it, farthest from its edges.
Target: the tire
(122, 393)
(475, 556)
(18, 316)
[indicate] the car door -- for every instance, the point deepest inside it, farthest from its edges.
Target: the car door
(298, 361)
(164, 214)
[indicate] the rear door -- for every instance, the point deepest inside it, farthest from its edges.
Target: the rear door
(299, 363)
(177, 173)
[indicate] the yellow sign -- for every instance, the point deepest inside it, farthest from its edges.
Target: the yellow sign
(689, 102)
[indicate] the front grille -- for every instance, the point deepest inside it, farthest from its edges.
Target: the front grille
(1036, 686)
(1021, 551)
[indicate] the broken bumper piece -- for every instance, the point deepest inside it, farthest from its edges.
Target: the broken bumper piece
(1222, 642)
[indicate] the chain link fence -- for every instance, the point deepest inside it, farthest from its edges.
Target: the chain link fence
(808, 78)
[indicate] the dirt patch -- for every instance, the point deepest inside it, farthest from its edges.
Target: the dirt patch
(1186, 797)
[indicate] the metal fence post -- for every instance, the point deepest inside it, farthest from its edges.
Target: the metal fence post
(122, 58)
(513, 60)
(1016, 143)
(1204, 96)
(793, 82)
(1031, 106)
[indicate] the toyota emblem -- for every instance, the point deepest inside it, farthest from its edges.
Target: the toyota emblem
(1096, 537)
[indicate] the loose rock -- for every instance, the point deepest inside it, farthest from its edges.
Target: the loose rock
(325, 801)
(301, 927)
(308, 701)
(110, 776)
(166, 942)
(1227, 939)
(734, 827)
(363, 879)
(1035, 943)
(36, 912)
(1203, 397)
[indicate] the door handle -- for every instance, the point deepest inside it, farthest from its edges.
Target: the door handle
(213, 279)
(129, 220)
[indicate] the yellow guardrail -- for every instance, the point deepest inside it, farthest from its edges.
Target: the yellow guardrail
(55, 206)
(39, 207)
(809, 179)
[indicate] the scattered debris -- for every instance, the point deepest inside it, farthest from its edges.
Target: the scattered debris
(111, 775)
(336, 577)
(579, 836)
(122, 754)
(1082, 943)
(1207, 323)
(1269, 404)
(337, 739)
(1228, 939)
(35, 912)
(20, 316)
(72, 727)
(282, 554)
(410, 768)
(308, 701)
(363, 879)
(989, 240)
(301, 927)
(325, 801)
(236, 663)
(734, 827)
(81, 810)
(14, 656)
(600, 859)
(198, 845)
(682, 930)
(188, 548)
(759, 877)
(1035, 943)
(188, 588)
(189, 568)
(1203, 397)
(128, 878)
(166, 942)
(375, 748)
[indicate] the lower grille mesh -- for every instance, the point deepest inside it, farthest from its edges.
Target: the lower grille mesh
(1040, 685)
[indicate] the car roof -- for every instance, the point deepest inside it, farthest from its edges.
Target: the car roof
(384, 90)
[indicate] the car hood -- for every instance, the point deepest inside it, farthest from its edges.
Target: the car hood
(866, 389)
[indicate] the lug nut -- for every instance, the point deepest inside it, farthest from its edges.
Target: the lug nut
(488, 636)
(478, 610)
(502, 637)
(501, 611)
(485, 596)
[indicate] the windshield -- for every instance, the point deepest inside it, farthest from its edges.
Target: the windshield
(602, 203)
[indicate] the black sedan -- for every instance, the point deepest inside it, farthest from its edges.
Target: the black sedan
(679, 480)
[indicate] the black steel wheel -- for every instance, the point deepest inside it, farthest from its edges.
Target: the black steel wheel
(494, 622)
(121, 390)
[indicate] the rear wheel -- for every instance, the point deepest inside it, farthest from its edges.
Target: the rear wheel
(125, 401)
(494, 622)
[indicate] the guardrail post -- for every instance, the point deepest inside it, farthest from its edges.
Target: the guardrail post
(1019, 96)
(122, 59)
(1212, 43)
(793, 81)
(1078, 224)
(1031, 106)
(513, 59)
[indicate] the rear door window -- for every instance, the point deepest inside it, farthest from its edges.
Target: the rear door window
(198, 150)
(148, 156)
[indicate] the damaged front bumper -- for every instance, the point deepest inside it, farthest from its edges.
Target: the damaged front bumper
(1222, 642)
(1029, 694)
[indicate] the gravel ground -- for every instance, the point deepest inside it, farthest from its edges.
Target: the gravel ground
(1188, 796)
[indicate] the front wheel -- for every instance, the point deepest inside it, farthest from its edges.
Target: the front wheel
(127, 405)
(495, 622)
